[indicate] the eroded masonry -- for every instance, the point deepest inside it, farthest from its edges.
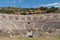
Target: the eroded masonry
(30, 25)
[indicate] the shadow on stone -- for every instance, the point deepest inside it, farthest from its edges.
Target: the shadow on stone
(30, 36)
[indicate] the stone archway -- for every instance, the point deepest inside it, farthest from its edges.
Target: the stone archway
(29, 33)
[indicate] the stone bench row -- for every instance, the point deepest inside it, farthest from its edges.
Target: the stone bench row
(31, 17)
(24, 24)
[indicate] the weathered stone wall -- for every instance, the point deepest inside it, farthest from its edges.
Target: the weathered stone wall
(30, 25)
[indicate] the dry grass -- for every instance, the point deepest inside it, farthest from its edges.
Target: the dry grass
(20, 38)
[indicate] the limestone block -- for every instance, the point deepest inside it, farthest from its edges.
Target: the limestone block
(1, 24)
(21, 17)
(29, 24)
(48, 18)
(16, 18)
(35, 18)
(28, 18)
(10, 17)
(57, 25)
(19, 24)
(38, 25)
(42, 18)
(3, 16)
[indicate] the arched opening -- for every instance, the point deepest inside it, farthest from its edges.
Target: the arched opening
(29, 33)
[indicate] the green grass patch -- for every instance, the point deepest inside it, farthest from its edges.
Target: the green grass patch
(27, 38)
